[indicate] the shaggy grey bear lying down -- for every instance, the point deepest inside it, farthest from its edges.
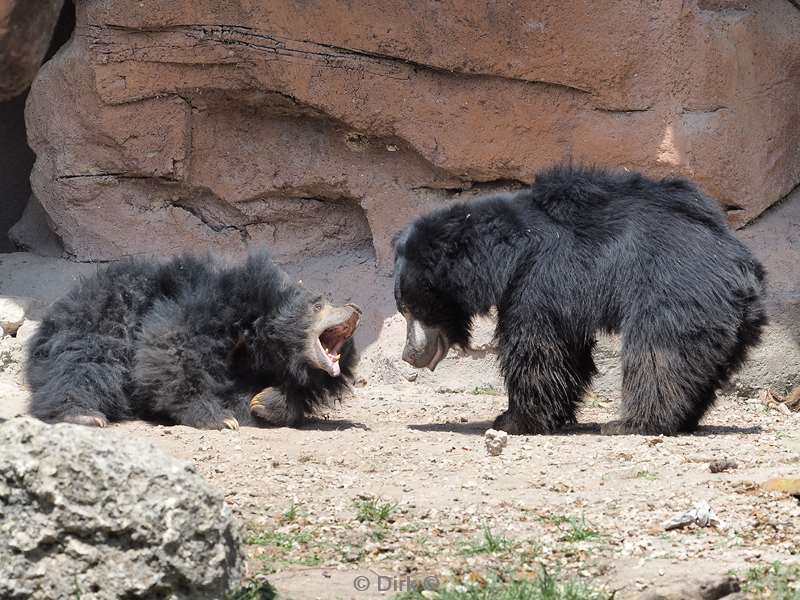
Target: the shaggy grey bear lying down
(191, 341)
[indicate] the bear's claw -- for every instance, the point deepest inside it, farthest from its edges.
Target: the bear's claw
(258, 400)
(88, 420)
(270, 406)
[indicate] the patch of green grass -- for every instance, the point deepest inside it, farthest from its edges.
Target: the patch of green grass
(486, 390)
(645, 474)
(287, 548)
(290, 514)
(282, 540)
(379, 532)
(488, 543)
(555, 519)
(412, 527)
(544, 587)
(372, 510)
(256, 590)
(578, 529)
(774, 582)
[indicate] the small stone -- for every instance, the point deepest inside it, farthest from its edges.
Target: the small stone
(26, 331)
(12, 312)
(701, 515)
(793, 399)
(722, 465)
(495, 441)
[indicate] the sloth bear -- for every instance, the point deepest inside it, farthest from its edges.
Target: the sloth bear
(192, 341)
(585, 250)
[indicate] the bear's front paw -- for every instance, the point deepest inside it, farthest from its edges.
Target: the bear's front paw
(271, 406)
(91, 419)
(226, 421)
(513, 425)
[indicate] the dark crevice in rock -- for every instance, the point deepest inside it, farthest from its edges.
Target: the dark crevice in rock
(709, 110)
(120, 175)
(237, 36)
(623, 111)
(478, 187)
(210, 222)
(386, 57)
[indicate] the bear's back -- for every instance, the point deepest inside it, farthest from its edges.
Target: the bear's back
(595, 197)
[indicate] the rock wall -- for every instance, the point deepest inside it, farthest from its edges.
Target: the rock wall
(323, 126)
(25, 31)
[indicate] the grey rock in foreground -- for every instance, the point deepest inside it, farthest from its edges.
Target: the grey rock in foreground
(86, 514)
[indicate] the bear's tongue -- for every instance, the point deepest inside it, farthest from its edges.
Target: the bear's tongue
(329, 347)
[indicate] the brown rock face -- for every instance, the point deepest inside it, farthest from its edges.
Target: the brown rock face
(325, 125)
(25, 31)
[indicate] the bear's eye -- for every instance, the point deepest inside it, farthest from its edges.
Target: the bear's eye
(317, 306)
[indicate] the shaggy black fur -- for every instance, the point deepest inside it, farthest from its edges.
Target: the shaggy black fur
(189, 340)
(587, 250)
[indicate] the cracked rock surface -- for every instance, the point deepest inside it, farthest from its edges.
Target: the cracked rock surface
(86, 514)
(315, 126)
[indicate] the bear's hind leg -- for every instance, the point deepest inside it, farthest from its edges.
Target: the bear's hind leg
(181, 374)
(546, 378)
(82, 380)
(666, 388)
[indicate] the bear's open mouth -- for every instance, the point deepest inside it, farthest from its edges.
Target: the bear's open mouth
(340, 325)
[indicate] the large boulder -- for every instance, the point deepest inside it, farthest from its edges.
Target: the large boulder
(87, 514)
(316, 126)
(25, 31)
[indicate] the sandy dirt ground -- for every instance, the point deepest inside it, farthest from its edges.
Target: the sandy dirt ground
(580, 503)
(395, 485)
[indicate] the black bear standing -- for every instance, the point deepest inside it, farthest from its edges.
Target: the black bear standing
(581, 251)
(193, 341)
